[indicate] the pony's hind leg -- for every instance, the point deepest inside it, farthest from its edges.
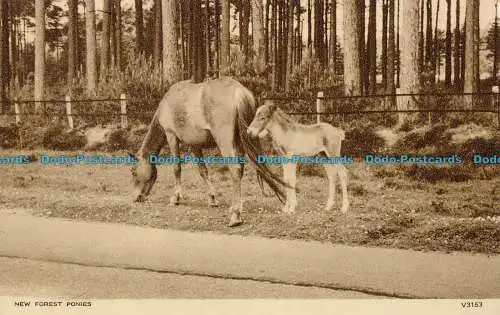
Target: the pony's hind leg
(173, 143)
(212, 202)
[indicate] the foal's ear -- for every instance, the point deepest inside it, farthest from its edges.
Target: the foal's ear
(273, 108)
(271, 104)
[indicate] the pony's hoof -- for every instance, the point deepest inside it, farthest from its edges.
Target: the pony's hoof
(213, 203)
(140, 198)
(288, 210)
(235, 221)
(174, 201)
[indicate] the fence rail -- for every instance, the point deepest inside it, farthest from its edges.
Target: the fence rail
(491, 99)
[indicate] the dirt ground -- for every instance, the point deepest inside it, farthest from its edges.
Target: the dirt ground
(385, 211)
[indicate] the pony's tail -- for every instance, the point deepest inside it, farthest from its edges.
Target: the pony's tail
(252, 147)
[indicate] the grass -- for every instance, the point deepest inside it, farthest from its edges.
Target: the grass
(387, 209)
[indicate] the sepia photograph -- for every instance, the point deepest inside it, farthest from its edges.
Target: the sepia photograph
(250, 156)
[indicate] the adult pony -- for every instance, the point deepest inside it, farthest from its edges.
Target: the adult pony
(214, 113)
(291, 139)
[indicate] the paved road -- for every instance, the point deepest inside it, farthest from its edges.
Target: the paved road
(24, 277)
(388, 272)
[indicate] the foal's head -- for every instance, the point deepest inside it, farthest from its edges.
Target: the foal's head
(143, 176)
(261, 120)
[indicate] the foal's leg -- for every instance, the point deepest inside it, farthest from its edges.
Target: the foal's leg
(173, 143)
(331, 172)
(342, 171)
(290, 177)
(212, 202)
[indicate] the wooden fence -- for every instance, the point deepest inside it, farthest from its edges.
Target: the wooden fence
(320, 100)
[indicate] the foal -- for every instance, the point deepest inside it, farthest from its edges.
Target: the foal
(291, 138)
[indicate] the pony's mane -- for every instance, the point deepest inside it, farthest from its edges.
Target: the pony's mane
(154, 140)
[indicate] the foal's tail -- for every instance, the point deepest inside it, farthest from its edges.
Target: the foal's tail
(252, 147)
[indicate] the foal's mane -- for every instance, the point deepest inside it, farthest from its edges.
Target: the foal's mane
(284, 119)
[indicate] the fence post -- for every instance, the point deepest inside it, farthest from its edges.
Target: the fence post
(68, 111)
(496, 102)
(17, 111)
(320, 106)
(123, 106)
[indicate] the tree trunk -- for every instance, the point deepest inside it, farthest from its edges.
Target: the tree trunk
(289, 60)
(398, 49)
(447, 75)
(372, 47)
(139, 27)
(112, 34)
(258, 36)
(352, 73)
(360, 7)
(282, 45)
(4, 56)
(428, 38)
(118, 33)
(391, 88)
(333, 36)
(421, 42)
(225, 40)
(325, 33)
(266, 32)
(39, 53)
(495, 40)
(309, 27)
(198, 46)
(105, 36)
(184, 39)
(410, 72)
(91, 47)
(436, 55)
(13, 44)
(157, 49)
(471, 78)
(72, 38)
(217, 36)
(170, 58)
(318, 30)
(383, 61)
(457, 62)
(298, 46)
(244, 26)
(207, 38)
(274, 45)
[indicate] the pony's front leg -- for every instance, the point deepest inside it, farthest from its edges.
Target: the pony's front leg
(212, 202)
(290, 177)
(173, 143)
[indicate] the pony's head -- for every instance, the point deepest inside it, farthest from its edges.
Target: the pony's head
(261, 120)
(143, 176)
